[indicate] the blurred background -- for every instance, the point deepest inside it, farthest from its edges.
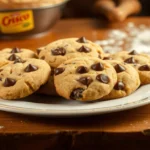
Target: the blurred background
(83, 8)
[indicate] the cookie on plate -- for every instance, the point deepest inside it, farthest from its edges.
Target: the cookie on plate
(59, 51)
(84, 79)
(8, 55)
(131, 57)
(140, 61)
(21, 79)
(144, 73)
(127, 80)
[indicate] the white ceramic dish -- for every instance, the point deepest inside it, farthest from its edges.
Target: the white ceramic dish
(54, 106)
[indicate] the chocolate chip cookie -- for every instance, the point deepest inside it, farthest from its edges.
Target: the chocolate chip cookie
(144, 73)
(131, 57)
(84, 78)
(140, 61)
(127, 80)
(8, 55)
(59, 51)
(22, 78)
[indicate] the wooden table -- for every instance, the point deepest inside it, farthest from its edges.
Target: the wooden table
(121, 130)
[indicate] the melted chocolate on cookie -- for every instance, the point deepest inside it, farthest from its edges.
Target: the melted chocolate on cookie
(97, 67)
(19, 61)
(133, 52)
(76, 94)
(30, 68)
(58, 71)
(86, 80)
(13, 57)
(119, 68)
(82, 40)
(9, 82)
(103, 78)
(38, 51)
(130, 60)
(59, 51)
(15, 50)
(144, 68)
(119, 86)
(82, 70)
(84, 49)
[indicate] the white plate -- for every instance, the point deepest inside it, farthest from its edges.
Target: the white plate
(54, 106)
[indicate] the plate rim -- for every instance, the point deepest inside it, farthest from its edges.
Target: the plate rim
(74, 113)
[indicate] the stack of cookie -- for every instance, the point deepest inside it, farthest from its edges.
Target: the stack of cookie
(73, 68)
(81, 71)
(61, 51)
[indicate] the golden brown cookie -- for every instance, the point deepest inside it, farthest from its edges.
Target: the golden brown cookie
(59, 51)
(9, 55)
(127, 80)
(84, 79)
(140, 61)
(144, 73)
(21, 79)
(131, 57)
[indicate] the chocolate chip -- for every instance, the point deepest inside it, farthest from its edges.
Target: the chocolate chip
(103, 78)
(30, 68)
(58, 71)
(13, 57)
(9, 82)
(82, 40)
(38, 51)
(1, 70)
(86, 80)
(43, 57)
(119, 68)
(15, 50)
(119, 86)
(144, 68)
(97, 67)
(130, 60)
(84, 49)
(76, 93)
(107, 58)
(82, 70)
(59, 51)
(133, 52)
(0, 79)
(19, 61)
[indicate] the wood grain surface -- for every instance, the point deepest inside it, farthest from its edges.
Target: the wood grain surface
(127, 125)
